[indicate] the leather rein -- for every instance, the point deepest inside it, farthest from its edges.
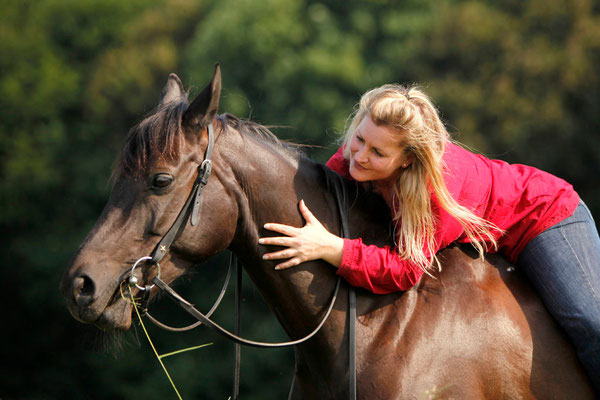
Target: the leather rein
(190, 210)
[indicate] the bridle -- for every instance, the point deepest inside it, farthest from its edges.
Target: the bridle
(191, 210)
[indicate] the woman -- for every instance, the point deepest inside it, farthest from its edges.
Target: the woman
(440, 193)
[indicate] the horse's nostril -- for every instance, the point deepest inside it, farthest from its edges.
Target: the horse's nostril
(83, 289)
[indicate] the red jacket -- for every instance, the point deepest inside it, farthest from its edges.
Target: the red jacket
(523, 201)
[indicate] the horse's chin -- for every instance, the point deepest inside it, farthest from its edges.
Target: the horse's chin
(116, 317)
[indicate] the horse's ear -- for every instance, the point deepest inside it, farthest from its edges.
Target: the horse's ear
(205, 106)
(172, 92)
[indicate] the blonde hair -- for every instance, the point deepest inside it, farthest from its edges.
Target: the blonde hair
(409, 112)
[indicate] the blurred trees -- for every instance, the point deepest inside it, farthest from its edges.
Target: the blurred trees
(515, 80)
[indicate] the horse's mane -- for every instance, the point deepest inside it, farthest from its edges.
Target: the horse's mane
(159, 137)
(262, 132)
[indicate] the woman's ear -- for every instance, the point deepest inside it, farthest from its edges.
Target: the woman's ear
(410, 158)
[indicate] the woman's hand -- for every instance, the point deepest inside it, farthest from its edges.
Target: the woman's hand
(311, 242)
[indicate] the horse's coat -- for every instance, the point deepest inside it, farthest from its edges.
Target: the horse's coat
(474, 331)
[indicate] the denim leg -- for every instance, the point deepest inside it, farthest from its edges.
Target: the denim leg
(563, 264)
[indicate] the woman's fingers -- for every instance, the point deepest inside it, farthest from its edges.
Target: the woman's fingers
(306, 213)
(277, 255)
(288, 264)
(291, 230)
(276, 241)
(309, 242)
(281, 228)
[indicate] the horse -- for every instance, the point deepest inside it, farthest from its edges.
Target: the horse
(474, 330)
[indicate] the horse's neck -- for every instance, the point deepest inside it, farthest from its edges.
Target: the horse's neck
(271, 183)
(270, 187)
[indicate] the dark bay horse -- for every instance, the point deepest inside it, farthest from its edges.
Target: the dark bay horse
(473, 331)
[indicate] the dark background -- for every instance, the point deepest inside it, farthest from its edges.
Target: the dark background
(514, 80)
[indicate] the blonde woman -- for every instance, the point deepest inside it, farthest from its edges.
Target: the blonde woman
(440, 193)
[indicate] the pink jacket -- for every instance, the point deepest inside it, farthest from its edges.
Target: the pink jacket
(521, 200)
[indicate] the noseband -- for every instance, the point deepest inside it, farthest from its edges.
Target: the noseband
(191, 210)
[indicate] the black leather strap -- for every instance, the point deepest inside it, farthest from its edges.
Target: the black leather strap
(191, 204)
(208, 314)
(203, 174)
(190, 309)
(351, 342)
(238, 331)
(336, 185)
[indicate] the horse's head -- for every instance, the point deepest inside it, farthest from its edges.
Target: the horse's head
(154, 177)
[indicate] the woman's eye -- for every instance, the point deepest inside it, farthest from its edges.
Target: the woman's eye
(161, 181)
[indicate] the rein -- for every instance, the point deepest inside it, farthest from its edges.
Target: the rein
(190, 309)
(190, 210)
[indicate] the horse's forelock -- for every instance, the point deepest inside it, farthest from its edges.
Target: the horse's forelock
(156, 137)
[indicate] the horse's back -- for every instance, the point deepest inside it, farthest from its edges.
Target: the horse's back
(473, 331)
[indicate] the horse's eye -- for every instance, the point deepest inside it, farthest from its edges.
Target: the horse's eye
(161, 181)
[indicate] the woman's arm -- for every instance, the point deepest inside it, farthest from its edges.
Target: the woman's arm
(378, 269)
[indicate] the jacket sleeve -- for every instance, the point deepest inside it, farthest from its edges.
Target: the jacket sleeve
(377, 269)
(381, 270)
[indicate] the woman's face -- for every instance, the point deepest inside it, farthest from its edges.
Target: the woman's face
(376, 153)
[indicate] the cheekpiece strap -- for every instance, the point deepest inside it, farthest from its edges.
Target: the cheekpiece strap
(203, 173)
(191, 204)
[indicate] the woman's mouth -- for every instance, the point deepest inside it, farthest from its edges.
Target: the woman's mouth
(358, 166)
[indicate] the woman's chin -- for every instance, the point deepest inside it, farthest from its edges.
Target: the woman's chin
(357, 174)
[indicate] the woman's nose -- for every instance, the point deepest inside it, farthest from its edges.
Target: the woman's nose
(361, 155)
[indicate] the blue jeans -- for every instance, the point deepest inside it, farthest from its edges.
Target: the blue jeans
(563, 264)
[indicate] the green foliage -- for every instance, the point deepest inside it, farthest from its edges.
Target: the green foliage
(516, 80)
